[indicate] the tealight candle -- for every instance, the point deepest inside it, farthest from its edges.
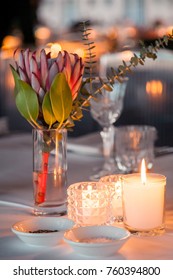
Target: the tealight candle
(114, 182)
(89, 203)
(143, 202)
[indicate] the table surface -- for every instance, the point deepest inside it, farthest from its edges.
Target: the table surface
(16, 186)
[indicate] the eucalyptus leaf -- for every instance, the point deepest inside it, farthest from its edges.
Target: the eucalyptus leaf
(107, 87)
(121, 68)
(84, 92)
(47, 110)
(61, 98)
(70, 123)
(27, 102)
(78, 114)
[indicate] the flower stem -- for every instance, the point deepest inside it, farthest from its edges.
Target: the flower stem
(42, 182)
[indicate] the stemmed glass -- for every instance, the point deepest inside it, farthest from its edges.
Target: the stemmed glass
(106, 108)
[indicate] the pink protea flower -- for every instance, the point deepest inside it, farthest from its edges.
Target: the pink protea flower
(39, 70)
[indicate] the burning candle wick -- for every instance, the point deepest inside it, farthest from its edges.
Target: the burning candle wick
(143, 172)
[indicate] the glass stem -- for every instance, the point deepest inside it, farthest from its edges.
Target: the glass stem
(107, 135)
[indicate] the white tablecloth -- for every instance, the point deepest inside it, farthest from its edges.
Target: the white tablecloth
(16, 186)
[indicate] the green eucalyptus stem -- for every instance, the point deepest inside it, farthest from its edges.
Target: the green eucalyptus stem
(116, 74)
(126, 67)
(146, 52)
(90, 56)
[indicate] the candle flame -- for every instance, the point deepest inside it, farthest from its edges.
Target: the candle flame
(143, 172)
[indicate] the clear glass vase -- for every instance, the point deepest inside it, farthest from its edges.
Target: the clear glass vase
(49, 171)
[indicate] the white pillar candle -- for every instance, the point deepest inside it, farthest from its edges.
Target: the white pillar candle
(143, 202)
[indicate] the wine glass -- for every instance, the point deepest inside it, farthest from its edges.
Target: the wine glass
(106, 108)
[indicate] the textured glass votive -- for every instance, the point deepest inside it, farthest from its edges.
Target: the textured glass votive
(89, 203)
(144, 204)
(114, 182)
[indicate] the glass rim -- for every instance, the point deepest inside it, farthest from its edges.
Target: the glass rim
(104, 178)
(136, 126)
(160, 177)
(86, 183)
(49, 129)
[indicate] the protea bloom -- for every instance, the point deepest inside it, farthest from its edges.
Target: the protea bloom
(46, 88)
(40, 70)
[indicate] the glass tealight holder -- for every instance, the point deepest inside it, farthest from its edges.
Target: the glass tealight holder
(89, 203)
(114, 182)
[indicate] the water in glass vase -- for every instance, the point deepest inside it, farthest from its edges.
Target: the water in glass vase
(49, 198)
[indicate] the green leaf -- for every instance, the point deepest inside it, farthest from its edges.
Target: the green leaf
(16, 79)
(141, 62)
(125, 64)
(91, 48)
(134, 61)
(47, 110)
(87, 103)
(84, 92)
(27, 102)
(118, 79)
(165, 39)
(61, 98)
(78, 114)
(107, 87)
(70, 123)
(121, 68)
(114, 72)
